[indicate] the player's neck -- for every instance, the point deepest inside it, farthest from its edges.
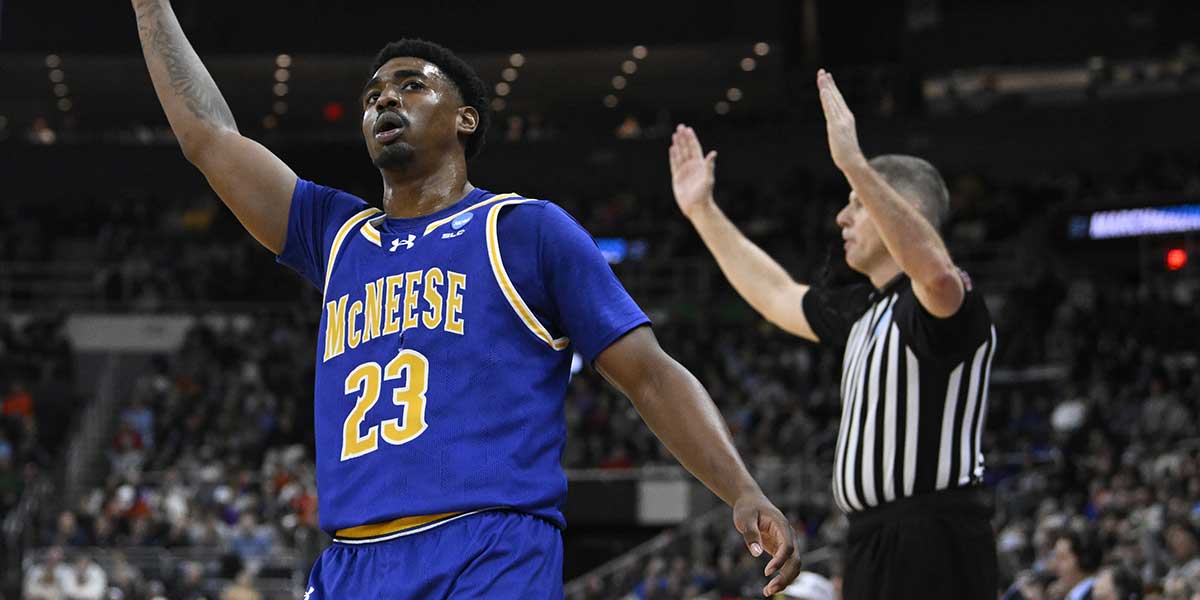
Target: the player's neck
(407, 194)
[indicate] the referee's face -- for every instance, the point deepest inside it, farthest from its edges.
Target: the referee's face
(864, 248)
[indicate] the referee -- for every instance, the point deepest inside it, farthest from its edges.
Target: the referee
(918, 350)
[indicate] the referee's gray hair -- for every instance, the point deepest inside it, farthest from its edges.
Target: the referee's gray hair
(918, 181)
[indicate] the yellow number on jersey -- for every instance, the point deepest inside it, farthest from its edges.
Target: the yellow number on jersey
(411, 396)
(366, 378)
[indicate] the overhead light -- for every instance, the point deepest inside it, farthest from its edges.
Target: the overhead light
(283, 61)
(517, 59)
(282, 75)
(733, 94)
(721, 107)
(611, 101)
(64, 104)
(60, 90)
(53, 61)
(629, 67)
(619, 82)
(280, 107)
(639, 52)
(502, 89)
(762, 48)
(57, 75)
(281, 89)
(498, 104)
(748, 64)
(509, 74)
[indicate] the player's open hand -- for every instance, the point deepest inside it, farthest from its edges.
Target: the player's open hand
(765, 528)
(839, 123)
(691, 171)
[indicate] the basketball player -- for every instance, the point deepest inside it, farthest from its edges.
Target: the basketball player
(447, 328)
(918, 348)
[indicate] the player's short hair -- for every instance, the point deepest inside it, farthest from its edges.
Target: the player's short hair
(919, 181)
(470, 86)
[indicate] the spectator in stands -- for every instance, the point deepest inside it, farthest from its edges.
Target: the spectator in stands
(252, 542)
(18, 402)
(654, 582)
(83, 580)
(140, 420)
(730, 578)
(1117, 583)
(1074, 560)
(11, 482)
(242, 588)
(43, 581)
(1183, 544)
(69, 533)
(125, 577)
(189, 583)
(1027, 586)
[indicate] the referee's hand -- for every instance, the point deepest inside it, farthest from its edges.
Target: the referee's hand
(765, 528)
(839, 125)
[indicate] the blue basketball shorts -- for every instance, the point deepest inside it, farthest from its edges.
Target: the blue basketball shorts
(495, 554)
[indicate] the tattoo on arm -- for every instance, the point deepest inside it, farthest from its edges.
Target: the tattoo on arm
(186, 74)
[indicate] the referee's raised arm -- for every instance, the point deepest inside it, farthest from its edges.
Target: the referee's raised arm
(909, 237)
(754, 274)
(252, 181)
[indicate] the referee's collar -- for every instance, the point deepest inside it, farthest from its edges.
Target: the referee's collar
(889, 287)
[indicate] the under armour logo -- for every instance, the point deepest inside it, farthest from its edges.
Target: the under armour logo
(407, 243)
(308, 594)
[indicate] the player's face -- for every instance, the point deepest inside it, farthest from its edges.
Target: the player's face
(412, 110)
(864, 248)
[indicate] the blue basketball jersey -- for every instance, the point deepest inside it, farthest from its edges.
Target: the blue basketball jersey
(444, 353)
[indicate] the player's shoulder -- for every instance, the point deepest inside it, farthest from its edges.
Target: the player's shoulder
(333, 198)
(535, 213)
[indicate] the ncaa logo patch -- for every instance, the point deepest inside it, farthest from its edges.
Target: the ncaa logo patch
(461, 220)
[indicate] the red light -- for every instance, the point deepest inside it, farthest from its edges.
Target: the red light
(334, 111)
(1176, 258)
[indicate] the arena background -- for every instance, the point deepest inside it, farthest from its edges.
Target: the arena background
(155, 364)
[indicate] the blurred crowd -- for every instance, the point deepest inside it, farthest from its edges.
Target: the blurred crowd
(212, 448)
(36, 373)
(1098, 458)
(211, 453)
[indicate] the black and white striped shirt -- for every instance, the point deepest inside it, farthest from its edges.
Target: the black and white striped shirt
(914, 391)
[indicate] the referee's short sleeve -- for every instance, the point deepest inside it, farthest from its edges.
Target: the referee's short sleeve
(831, 312)
(948, 338)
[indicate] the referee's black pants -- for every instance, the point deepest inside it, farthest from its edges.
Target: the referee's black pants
(930, 547)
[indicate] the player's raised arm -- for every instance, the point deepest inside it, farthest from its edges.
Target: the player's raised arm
(252, 181)
(909, 237)
(679, 411)
(754, 274)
